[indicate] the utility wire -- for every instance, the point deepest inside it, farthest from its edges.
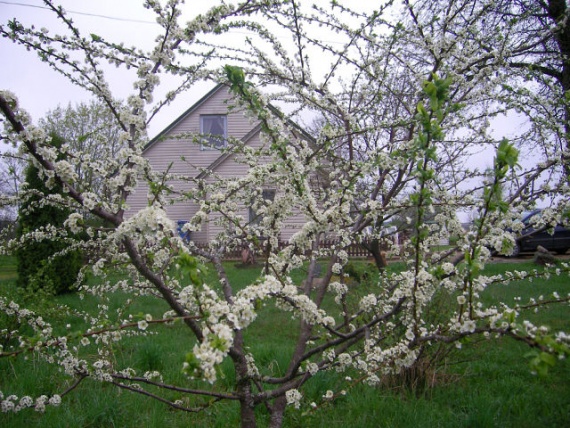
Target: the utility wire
(80, 13)
(111, 17)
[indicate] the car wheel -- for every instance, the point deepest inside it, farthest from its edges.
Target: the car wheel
(561, 251)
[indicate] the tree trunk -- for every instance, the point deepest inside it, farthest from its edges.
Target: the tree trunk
(278, 412)
(243, 382)
(247, 410)
(557, 13)
(373, 246)
(247, 406)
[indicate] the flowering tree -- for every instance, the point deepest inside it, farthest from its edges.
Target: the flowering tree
(406, 101)
(11, 169)
(88, 130)
(539, 54)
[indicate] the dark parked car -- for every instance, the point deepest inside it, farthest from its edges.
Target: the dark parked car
(531, 237)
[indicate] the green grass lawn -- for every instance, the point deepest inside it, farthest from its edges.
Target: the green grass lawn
(486, 384)
(7, 268)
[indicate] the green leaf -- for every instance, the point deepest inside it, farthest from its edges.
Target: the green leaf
(548, 359)
(235, 75)
(507, 155)
(193, 364)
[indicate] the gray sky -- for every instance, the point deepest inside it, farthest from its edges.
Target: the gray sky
(39, 88)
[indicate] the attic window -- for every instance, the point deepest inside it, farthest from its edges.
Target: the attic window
(214, 129)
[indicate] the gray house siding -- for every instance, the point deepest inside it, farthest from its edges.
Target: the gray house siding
(174, 148)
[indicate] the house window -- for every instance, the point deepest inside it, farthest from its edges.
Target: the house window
(214, 129)
(268, 196)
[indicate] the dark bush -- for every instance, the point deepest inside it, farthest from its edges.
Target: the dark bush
(46, 264)
(359, 272)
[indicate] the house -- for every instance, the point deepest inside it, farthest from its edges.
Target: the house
(197, 145)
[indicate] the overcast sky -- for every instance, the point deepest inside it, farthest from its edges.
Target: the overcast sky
(40, 89)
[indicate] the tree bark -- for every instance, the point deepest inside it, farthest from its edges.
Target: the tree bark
(247, 409)
(557, 12)
(278, 412)
(373, 246)
(243, 381)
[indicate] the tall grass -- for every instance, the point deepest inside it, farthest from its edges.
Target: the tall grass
(488, 383)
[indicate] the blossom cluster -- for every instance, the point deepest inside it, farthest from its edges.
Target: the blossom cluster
(376, 173)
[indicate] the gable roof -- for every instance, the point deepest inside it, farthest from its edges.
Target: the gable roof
(183, 116)
(210, 168)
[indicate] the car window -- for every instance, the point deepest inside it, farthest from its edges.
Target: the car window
(531, 218)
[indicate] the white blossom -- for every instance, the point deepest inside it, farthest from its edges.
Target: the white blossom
(293, 397)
